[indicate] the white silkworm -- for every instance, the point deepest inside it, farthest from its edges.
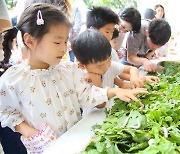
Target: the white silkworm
(151, 141)
(125, 122)
(165, 132)
(136, 126)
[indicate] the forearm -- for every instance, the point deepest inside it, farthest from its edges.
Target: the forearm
(26, 130)
(125, 76)
(135, 60)
(134, 72)
(118, 82)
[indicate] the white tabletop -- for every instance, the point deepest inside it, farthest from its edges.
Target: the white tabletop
(78, 137)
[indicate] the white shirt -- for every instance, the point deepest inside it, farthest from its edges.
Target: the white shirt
(54, 95)
(114, 55)
(115, 70)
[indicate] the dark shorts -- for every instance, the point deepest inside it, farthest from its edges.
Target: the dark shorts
(11, 142)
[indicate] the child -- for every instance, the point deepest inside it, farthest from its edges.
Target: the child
(93, 53)
(41, 98)
(104, 20)
(114, 42)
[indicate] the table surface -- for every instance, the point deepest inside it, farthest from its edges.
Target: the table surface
(79, 136)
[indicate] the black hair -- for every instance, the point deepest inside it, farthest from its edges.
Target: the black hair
(91, 47)
(58, 3)
(159, 31)
(159, 5)
(115, 33)
(27, 24)
(132, 16)
(149, 14)
(98, 17)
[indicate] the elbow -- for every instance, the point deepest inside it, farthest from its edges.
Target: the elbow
(101, 105)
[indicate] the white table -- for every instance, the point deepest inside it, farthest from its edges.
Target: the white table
(78, 137)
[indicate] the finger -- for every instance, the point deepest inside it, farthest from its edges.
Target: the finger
(124, 98)
(140, 91)
(133, 98)
(141, 82)
(141, 104)
(157, 79)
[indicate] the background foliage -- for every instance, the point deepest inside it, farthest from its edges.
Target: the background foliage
(114, 4)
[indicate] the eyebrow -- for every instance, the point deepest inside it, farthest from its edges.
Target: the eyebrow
(59, 37)
(109, 29)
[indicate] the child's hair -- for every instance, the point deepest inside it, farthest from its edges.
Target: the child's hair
(27, 24)
(115, 34)
(91, 47)
(63, 4)
(132, 16)
(159, 31)
(98, 17)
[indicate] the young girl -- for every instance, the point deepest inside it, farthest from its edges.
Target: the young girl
(41, 98)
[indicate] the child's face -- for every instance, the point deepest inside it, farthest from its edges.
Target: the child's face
(51, 48)
(107, 31)
(99, 67)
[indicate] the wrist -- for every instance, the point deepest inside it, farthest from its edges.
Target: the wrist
(26, 130)
(111, 92)
(144, 61)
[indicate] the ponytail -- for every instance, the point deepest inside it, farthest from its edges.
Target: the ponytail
(10, 34)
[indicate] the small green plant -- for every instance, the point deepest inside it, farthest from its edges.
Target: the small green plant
(114, 4)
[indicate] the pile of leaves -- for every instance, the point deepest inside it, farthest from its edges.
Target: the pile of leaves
(153, 129)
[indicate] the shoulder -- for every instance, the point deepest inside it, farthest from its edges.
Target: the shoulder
(14, 73)
(67, 66)
(116, 65)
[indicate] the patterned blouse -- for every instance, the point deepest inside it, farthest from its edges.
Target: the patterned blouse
(54, 96)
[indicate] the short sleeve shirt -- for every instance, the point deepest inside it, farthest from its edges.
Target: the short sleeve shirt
(115, 70)
(137, 42)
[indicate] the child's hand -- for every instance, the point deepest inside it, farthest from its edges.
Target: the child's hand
(120, 54)
(127, 85)
(127, 95)
(137, 82)
(150, 79)
(39, 142)
(93, 78)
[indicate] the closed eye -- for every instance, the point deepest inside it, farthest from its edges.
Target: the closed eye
(56, 43)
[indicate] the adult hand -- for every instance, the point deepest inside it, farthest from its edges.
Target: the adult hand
(148, 66)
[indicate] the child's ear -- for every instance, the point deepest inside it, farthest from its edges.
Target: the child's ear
(29, 40)
(81, 66)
